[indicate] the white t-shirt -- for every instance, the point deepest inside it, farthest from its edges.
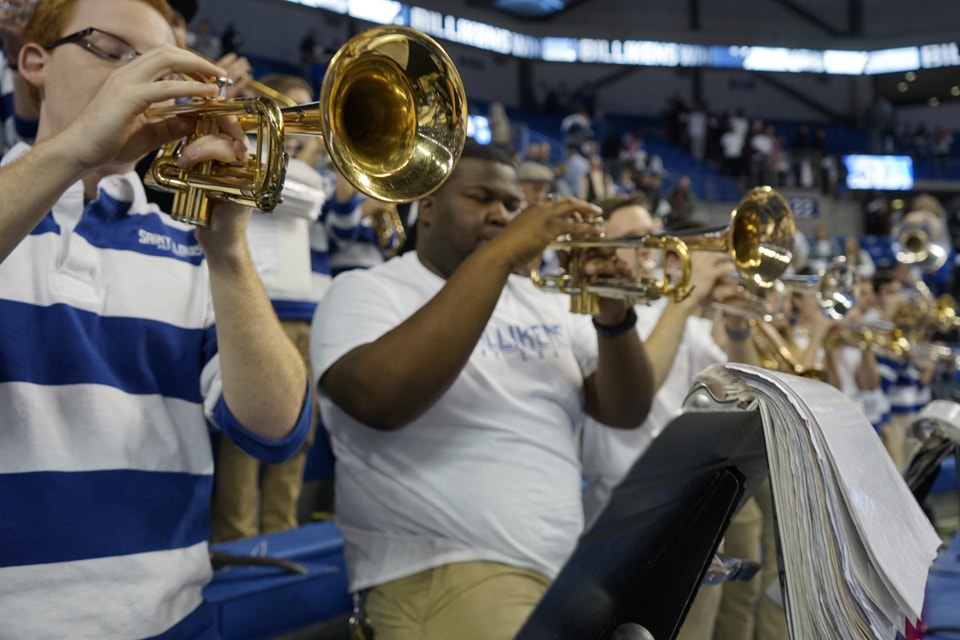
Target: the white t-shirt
(872, 403)
(280, 243)
(490, 472)
(608, 454)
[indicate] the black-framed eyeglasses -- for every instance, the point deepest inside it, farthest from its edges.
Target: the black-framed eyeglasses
(99, 43)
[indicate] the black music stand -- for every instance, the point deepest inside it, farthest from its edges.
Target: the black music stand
(644, 557)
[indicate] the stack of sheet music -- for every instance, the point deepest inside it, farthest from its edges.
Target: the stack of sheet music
(855, 545)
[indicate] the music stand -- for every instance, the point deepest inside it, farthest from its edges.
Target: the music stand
(644, 557)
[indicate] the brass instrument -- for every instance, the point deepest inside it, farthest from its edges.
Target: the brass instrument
(776, 353)
(392, 114)
(388, 227)
(879, 336)
(921, 241)
(945, 313)
(834, 289)
(889, 340)
(758, 239)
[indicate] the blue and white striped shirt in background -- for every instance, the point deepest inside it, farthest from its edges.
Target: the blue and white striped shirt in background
(352, 241)
(108, 375)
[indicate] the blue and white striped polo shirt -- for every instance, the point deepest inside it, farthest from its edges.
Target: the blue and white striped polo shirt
(108, 375)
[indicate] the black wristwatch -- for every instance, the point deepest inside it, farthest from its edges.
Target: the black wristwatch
(628, 323)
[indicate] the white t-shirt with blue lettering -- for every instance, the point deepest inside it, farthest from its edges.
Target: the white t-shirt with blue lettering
(490, 472)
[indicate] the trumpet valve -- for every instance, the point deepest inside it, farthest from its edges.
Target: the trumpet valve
(585, 302)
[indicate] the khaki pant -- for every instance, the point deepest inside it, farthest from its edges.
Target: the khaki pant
(250, 498)
(462, 601)
(735, 619)
(726, 611)
(897, 440)
(702, 616)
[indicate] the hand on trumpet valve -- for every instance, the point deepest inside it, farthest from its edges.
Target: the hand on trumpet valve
(228, 145)
(529, 233)
(120, 124)
(711, 278)
(238, 69)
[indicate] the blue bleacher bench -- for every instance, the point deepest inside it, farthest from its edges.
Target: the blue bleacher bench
(256, 603)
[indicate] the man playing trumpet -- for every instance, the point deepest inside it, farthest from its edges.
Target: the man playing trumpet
(680, 345)
(110, 362)
(451, 388)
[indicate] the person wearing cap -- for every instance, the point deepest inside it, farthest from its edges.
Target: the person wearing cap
(535, 181)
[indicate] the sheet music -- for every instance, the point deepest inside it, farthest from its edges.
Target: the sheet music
(856, 546)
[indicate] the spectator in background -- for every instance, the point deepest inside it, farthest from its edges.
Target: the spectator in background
(858, 258)
(577, 128)
(740, 123)
(576, 166)
(230, 40)
(761, 154)
(878, 118)
(535, 181)
(674, 113)
(611, 150)
(683, 205)
(921, 141)
(625, 184)
(501, 135)
(800, 154)
(634, 152)
(731, 144)
(823, 249)
(696, 120)
(651, 184)
(308, 53)
(942, 145)
(596, 184)
(204, 40)
(876, 214)
(779, 163)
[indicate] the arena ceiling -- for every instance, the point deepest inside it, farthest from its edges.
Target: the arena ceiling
(819, 24)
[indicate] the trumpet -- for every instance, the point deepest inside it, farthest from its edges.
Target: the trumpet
(921, 241)
(945, 313)
(388, 227)
(758, 239)
(392, 114)
(775, 352)
(882, 337)
(834, 289)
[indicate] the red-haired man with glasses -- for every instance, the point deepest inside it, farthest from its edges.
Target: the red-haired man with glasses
(110, 361)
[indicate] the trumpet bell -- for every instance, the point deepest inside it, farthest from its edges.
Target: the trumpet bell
(761, 235)
(392, 113)
(921, 241)
(837, 289)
